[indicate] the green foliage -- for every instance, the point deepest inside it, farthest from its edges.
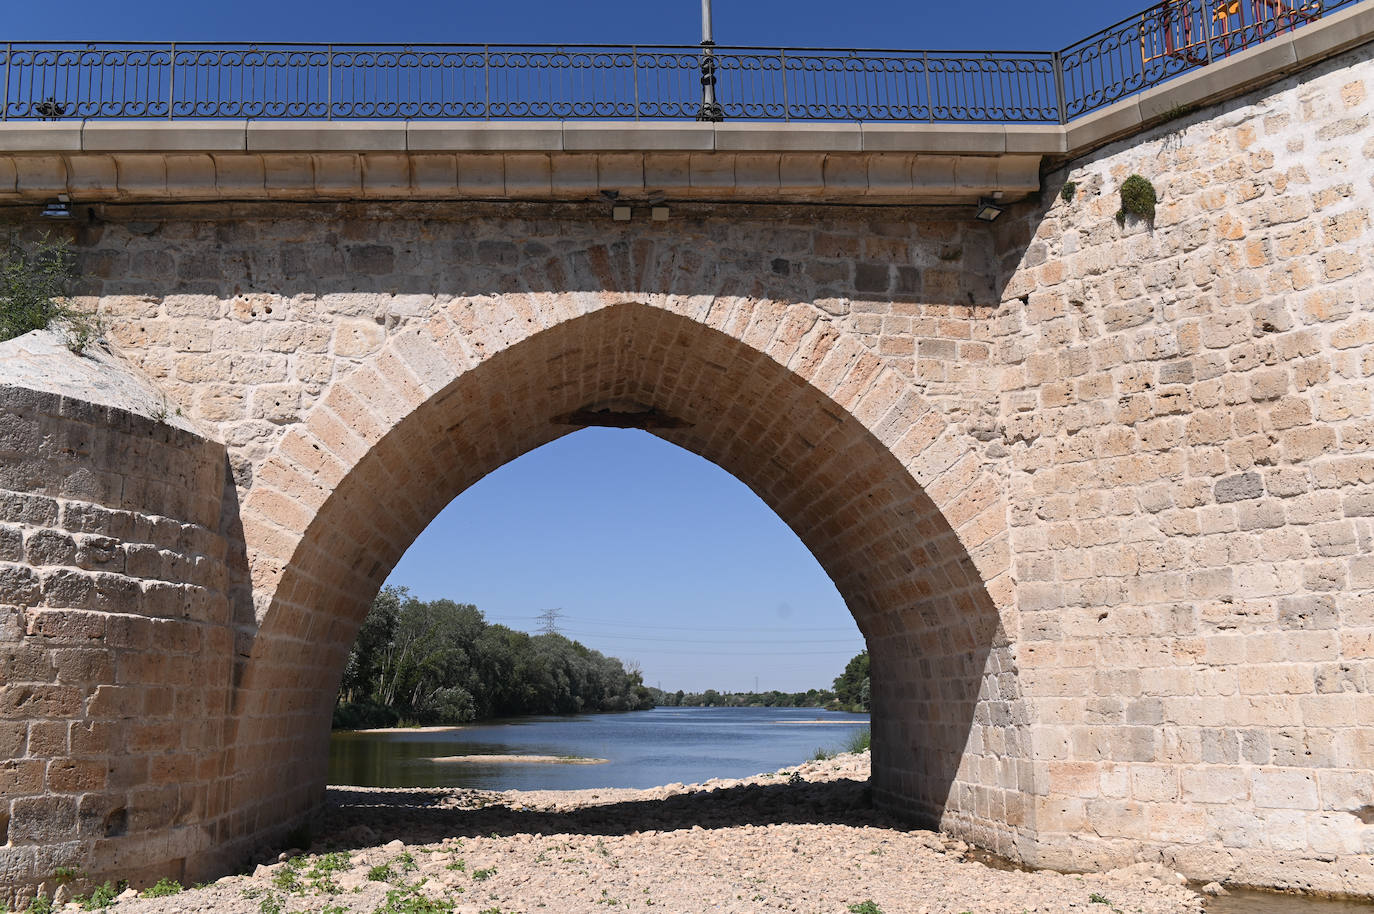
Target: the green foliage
(812, 698)
(865, 907)
(408, 900)
(320, 875)
(484, 874)
(271, 904)
(380, 873)
(852, 688)
(65, 874)
(34, 284)
(1098, 898)
(1137, 199)
(441, 662)
(162, 888)
(41, 904)
(101, 897)
(860, 742)
(1068, 191)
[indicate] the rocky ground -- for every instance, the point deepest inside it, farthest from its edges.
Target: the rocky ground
(799, 840)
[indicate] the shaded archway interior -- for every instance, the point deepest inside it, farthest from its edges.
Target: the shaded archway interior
(914, 592)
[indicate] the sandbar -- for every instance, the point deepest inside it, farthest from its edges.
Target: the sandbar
(521, 760)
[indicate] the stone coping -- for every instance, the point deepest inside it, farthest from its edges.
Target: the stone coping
(801, 162)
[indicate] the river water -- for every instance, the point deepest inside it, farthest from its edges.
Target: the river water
(647, 749)
(641, 748)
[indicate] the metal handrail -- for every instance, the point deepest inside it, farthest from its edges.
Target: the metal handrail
(177, 80)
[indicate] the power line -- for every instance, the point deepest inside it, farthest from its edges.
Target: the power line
(548, 621)
(694, 628)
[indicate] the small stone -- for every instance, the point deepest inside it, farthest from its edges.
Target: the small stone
(1214, 889)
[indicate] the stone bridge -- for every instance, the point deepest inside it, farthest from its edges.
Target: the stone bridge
(1099, 495)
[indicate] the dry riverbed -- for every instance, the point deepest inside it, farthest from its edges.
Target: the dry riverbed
(799, 840)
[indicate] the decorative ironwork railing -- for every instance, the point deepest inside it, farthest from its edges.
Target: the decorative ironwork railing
(57, 81)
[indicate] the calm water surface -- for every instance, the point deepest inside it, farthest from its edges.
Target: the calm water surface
(643, 748)
(646, 749)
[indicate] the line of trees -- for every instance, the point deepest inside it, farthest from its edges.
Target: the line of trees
(812, 698)
(438, 662)
(851, 693)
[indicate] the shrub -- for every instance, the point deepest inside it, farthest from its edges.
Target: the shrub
(34, 283)
(1068, 191)
(162, 888)
(861, 741)
(101, 897)
(1137, 199)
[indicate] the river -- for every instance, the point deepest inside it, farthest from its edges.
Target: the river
(641, 749)
(645, 749)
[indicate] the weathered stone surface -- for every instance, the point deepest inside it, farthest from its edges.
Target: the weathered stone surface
(1100, 496)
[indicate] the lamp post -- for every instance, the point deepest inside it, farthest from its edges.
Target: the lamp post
(710, 108)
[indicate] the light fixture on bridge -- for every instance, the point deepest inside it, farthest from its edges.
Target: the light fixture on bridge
(988, 210)
(58, 209)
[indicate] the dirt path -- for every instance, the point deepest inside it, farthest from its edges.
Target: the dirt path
(799, 840)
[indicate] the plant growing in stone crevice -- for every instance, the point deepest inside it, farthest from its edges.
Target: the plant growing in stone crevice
(1068, 191)
(35, 281)
(1138, 198)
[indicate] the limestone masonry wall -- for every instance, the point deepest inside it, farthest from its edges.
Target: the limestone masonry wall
(1188, 411)
(114, 644)
(1100, 496)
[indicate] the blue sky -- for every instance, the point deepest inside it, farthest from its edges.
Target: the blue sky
(652, 553)
(993, 24)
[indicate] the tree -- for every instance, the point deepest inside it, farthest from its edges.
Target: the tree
(441, 662)
(852, 686)
(373, 638)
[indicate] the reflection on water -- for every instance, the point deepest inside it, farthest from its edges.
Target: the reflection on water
(1243, 902)
(650, 748)
(643, 749)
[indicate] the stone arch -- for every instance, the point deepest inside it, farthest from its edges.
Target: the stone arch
(892, 503)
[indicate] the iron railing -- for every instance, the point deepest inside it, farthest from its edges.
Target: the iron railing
(181, 80)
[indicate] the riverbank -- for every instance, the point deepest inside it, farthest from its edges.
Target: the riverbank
(800, 839)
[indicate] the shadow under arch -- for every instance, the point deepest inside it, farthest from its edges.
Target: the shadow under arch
(947, 747)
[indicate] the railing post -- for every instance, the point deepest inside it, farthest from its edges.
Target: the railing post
(1207, 28)
(1059, 87)
(486, 79)
(172, 81)
(329, 87)
(930, 99)
(634, 75)
(9, 55)
(786, 108)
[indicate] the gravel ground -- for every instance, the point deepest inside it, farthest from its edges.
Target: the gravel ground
(799, 840)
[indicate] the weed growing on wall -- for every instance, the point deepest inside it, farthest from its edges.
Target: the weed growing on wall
(34, 284)
(1138, 198)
